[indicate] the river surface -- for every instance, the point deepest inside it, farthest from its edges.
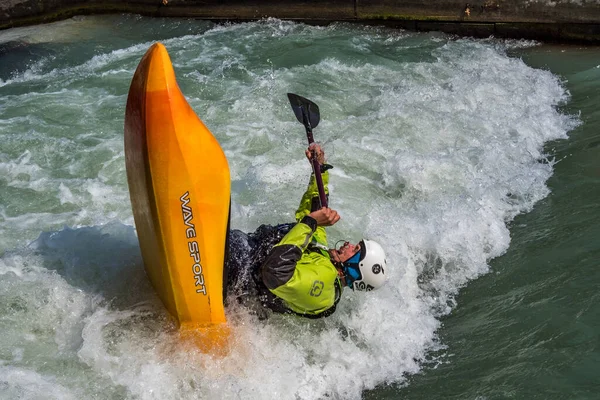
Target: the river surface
(475, 163)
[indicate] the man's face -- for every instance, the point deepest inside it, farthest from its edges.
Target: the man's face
(346, 252)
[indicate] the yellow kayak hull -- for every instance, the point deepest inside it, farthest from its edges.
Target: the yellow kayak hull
(179, 185)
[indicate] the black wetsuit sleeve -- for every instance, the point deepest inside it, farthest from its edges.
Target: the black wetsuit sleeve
(279, 266)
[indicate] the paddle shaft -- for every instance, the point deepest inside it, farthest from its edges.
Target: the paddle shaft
(316, 166)
(307, 113)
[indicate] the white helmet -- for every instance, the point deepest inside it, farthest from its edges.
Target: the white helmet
(366, 272)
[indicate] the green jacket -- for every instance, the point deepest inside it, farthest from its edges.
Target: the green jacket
(298, 269)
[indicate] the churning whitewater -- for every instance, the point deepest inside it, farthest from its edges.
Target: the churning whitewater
(437, 145)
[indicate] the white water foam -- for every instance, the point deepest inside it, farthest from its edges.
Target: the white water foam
(437, 144)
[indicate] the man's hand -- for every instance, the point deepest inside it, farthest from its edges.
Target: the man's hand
(319, 152)
(325, 216)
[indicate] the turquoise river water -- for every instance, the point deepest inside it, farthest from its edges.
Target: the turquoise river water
(474, 162)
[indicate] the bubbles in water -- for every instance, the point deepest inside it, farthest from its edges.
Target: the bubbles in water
(437, 144)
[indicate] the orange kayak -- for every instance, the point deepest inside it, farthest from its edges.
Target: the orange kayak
(180, 193)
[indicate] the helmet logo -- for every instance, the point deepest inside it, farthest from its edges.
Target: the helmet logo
(377, 269)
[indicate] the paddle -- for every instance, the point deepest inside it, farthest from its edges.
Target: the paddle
(307, 113)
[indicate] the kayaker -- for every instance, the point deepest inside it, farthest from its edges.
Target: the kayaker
(290, 266)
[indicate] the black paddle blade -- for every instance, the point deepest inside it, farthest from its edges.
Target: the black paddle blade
(306, 111)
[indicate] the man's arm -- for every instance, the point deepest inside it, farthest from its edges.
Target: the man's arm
(279, 266)
(310, 201)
